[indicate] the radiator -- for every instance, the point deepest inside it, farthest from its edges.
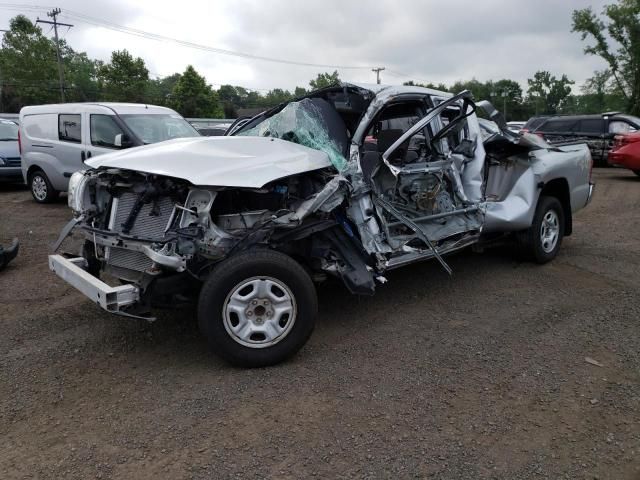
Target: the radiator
(146, 226)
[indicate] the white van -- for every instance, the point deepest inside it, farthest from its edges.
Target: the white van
(55, 140)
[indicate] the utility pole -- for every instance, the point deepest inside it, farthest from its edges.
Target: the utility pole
(53, 14)
(1, 108)
(377, 72)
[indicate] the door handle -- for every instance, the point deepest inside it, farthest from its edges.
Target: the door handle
(82, 156)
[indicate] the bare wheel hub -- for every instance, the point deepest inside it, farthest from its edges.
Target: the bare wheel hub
(549, 231)
(259, 312)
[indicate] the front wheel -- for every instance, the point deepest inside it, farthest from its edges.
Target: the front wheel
(41, 188)
(257, 308)
(542, 240)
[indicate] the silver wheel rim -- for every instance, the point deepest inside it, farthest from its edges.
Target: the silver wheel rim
(39, 187)
(549, 231)
(259, 312)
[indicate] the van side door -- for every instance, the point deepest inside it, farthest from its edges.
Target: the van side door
(69, 148)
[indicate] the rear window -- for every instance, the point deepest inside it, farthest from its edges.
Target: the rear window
(69, 128)
(534, 123)
(592, 125)
(560, 125)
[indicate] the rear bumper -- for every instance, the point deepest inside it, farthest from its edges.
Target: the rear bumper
(592, 187)
(111, 299)
(619, 159)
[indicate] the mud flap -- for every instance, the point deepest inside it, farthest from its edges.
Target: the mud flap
(355, 274)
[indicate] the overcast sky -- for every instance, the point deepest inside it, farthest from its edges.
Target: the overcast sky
(428, 40)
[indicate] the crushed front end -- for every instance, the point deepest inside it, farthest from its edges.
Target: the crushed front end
(148, 237)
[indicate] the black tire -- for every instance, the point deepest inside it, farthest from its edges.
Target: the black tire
(41, 188)
(637, 172)
(225, 279)
(530, 241)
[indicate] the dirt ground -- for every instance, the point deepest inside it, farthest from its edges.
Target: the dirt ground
(481, 375)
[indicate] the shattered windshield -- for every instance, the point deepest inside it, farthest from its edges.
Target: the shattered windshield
(311, 122)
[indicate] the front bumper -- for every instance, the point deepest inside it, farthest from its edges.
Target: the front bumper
(111, 299)
(10, 174)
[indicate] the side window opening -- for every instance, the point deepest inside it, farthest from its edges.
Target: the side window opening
(393, 122)
(617, 126)
(69, 128)
(104, 130)
(561, 125)
(592, 125)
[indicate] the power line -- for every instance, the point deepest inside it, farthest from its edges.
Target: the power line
(154, 36)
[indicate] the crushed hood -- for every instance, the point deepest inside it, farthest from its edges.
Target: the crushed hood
(218, 161)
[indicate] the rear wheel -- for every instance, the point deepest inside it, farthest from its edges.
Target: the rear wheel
(542, 240)
(41, 188)
(257, 308)
(637, 172)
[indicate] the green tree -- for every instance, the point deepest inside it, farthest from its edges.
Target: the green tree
(28, 69)
(192, 97)
(549, 92)
(160, 89)
(324, 80)
(125, 79)
(81, 77)
(622, 25)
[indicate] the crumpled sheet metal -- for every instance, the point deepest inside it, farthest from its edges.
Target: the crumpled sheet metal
(302, 123)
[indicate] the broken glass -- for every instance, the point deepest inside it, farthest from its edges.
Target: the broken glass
(305, 123)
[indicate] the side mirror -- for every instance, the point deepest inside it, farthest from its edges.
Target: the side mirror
(122, 140)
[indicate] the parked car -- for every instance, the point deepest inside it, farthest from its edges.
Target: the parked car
(533, 123)
(350, 181)
(516, 126)
(212, 131)
(598, 131)
(56, 140)
(10, 170)
(625, 152)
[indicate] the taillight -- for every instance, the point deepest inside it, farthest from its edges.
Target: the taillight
(19, 143)
(622, 140)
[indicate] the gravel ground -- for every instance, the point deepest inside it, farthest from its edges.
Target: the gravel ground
(481, 375)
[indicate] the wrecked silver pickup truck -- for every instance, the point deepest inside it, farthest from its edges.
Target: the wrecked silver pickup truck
(350, 181)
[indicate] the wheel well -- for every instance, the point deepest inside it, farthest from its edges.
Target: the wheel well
(559, 188)
(32, 169)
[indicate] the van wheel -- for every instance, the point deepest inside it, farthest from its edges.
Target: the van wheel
(542, 240)
(257, 308)
(41, 188)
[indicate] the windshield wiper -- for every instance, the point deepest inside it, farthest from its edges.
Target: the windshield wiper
(8, 139)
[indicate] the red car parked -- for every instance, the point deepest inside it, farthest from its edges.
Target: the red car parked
(626, 152)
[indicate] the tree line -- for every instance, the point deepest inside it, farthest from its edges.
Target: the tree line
(28, 76)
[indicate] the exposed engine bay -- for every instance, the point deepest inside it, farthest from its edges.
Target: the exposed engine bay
(139, 225)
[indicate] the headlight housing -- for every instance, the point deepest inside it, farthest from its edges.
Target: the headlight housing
(75, 191)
